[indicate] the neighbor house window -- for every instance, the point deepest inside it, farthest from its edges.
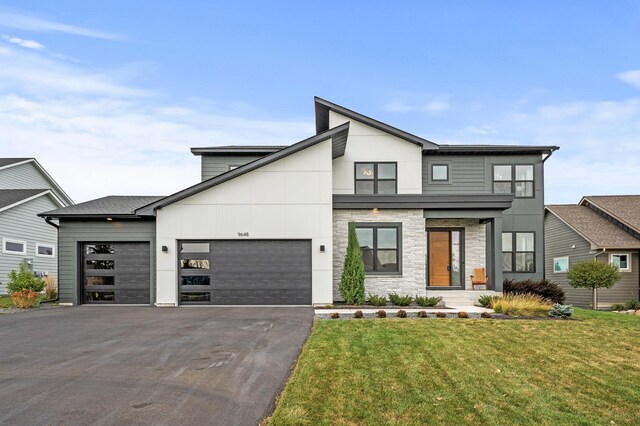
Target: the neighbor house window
(45, 250)
(380, 245)
(376, 178)
(560, 264)
(14, 246)
(440, 172)
(621, 260)
(518, 252)
(517, 180)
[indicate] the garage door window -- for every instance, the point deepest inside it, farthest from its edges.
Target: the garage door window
(100, 296)
(194, 263)
(203, 296)
(106, 280)
(196, 280)
(100, 264)
(194, 248)
(100, 249)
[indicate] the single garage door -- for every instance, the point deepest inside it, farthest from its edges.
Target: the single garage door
(245, 272)
(116, 273)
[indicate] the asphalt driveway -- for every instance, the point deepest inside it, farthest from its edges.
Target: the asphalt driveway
(135, 365)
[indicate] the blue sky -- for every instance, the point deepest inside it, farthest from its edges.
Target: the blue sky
(109, 96)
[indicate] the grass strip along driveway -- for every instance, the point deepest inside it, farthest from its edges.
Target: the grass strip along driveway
(452, 371)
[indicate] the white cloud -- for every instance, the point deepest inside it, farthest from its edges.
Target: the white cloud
(30, 23)
(630, 77)
(29, 44)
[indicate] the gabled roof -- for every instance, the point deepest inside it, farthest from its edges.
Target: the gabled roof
(110, 206)
(594, 228)
(6, 163)
(9, 161)
(10, 198)
(323, 107)
(338, 135)
(237, 149)
(624, 208)
(495, 149)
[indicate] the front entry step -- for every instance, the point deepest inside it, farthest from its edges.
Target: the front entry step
(460, 297)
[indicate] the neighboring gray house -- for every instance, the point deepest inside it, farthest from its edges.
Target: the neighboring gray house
(26, 189)
(268, 224)
(606, 228)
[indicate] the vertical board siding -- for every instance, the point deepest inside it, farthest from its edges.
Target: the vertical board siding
(214, 165)
(22, 223)
(558, 241)
(26, 176)
(73, 233)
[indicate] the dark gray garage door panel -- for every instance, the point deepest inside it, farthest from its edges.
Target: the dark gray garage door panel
(131, 274)
(259, 272)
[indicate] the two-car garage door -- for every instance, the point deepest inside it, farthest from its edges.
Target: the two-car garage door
(245, 272)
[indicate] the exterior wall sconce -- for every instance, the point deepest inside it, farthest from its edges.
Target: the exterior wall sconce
(165, 249)
(322, 248)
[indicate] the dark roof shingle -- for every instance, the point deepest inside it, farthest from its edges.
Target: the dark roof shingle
(625, 208)
(595, 228)
(12, 196)
(112, 205)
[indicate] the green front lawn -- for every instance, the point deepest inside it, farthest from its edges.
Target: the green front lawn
(5, 302)
(452, 371)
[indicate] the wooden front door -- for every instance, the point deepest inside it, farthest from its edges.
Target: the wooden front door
(439, 258)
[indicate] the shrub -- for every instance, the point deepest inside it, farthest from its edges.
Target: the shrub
(377, 300)
(516, 305)
(617, 307)
(381, 314)
(427, 302)
(352, 282)
(24, 299)
(399, 300)
(401, 314)
(543, 288)
(485, 315)
(441, 315)
(631, 304)
(463, 315)
(358, 314)
(594, 275)
(561, 311)
(422, 314)
(486, 300)
(334, 315)
(24, 280)
(50, 288)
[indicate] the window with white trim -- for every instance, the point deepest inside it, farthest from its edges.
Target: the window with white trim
(621, 260)
(10, 246)
(45, 250)
(560, 264)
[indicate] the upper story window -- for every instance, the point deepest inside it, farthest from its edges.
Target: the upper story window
(517, 180)
(14, 246)
(376, 178)
(440, 172)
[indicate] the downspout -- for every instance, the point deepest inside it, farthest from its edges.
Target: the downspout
(48, 220)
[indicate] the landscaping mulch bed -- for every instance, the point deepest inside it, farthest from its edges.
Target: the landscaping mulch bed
(432, 315)
(365, 306)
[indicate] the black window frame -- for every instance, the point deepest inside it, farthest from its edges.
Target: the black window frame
(384, 225)
(513, 181)
(440, 165)
(375, 179)
(514, 251)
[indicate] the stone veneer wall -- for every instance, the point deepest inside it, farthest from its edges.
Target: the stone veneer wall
(474, 243)
(413, 278)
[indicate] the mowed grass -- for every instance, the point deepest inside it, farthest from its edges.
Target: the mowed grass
(454, 371)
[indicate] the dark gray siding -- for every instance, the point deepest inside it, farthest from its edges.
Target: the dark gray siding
(214, 165)
(473, 174)
(22, 223)
(73, 233)
(558, 241)
(26, 176)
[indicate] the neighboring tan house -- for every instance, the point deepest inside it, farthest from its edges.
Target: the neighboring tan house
(26, 189)
(268, 224)
(606, 228)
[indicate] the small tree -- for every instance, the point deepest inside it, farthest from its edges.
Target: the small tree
(594, 275)
(352, 282)
(24, 280)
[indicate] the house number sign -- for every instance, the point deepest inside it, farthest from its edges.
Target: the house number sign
(243, 234)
